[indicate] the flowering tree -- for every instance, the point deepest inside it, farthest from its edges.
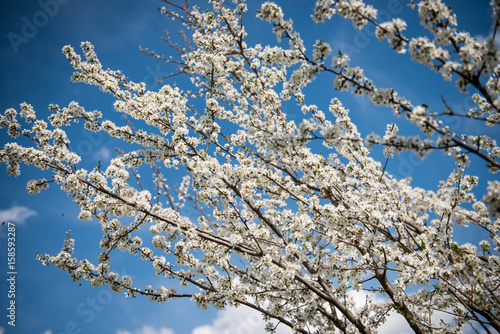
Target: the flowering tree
(293, 216)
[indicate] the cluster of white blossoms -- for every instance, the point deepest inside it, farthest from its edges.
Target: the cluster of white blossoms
(293, 216)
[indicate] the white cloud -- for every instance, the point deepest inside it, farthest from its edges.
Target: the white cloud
(103, 153)
(46, 332)
(244, 320)
(396, 324)
(482, 38)
(2, 330)
(16, 214)
(146, 330)
(241, 320)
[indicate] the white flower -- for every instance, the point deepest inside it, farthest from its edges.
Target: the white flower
(492, 199)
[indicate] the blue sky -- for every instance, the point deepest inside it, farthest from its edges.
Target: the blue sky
(34, 70)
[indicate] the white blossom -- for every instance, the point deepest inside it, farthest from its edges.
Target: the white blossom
(292, 217)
